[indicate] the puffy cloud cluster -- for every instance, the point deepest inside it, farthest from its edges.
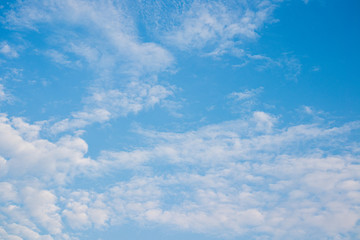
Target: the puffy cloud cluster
(234, 178)
(25, 154)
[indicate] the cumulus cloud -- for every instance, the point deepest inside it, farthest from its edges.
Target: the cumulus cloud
(85, 209)
(245, 179)
(26, 154)
(247, 175)
(41, 204)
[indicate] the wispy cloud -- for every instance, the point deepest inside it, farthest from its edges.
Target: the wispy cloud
(104, 22)
(59, 58)
(289, 65)
(8, 51)
(245, 95)
(3, 95)
(245, 100)
(218, 25)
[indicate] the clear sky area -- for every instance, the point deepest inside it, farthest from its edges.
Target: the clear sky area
(179, 119)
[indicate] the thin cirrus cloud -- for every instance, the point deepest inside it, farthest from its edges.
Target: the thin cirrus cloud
(248, 174)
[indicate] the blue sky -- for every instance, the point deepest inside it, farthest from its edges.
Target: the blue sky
(179, 119)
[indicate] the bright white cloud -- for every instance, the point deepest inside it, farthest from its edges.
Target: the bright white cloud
(41, 204)
(246, 179)
(228, 158)
(85, 209)
(26, 154)
(247, 176)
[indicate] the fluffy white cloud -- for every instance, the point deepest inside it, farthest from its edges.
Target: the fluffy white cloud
(84, 209)
(25, 154)
(7, 192)
(26, 209)
(244, 179)
(229, 179)
(41, 206)
(19, 232)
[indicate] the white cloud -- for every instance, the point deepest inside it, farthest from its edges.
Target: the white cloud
(218, 25)
(5, 96)
(292, 67)
(107, 104)
(264, 122)
(245, 100)
(102, 21)
(2, 93)
(110, 46)
(26, 209)
(289, 64)
(28, 155)
(26, 233)
(7, 50)
(41, 206)
(247, 94)
(7, 192)
(246, 176)
(59, 58)
(6, 236)
(85, 209)
(233, 178)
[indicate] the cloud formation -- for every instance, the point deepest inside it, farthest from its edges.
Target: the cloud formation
(253, 174)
